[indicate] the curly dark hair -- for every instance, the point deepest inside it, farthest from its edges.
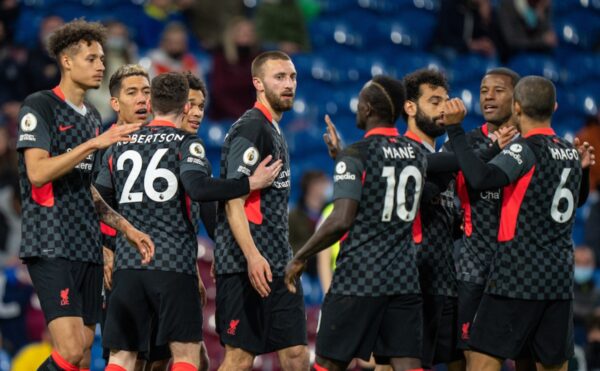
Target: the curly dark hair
(196, 83)
(386, 96)
(169, 93)
(72, 33)
(414, 80)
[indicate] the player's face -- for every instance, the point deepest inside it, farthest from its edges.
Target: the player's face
(132, 102)
(495, 98)
(86, 65)
(430, 109)
(191, 121)
(279, 84)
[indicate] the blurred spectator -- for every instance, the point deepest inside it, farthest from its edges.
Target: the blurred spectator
(591, 133)
(591, 231)
(151, 24)
(280, 25)
(208, 18)
(587, 294)
(33, 355)
(526, 25)
(9, 13)
(10, 206)
(12, 69)
(172, 54)
(118, 50)
(315, 191)
(593, 347)
(42, 70)
(232, 92)
(4, 357)
(467, 26)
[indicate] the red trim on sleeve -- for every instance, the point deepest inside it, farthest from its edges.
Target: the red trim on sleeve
(512, 198)
(265, 111)
(539, 131)
(465, 203)
(188, 206)
(410, 135)
(44, 195)
(59, 93)
(107, 230)
(417, 229)
(252, 208)
(386, 131)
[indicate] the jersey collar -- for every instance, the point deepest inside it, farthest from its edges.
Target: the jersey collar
(485, 130)
(161, 123)
(540, 131)
(265, 111)
(410, 135)
(388, 132)
(59, 93)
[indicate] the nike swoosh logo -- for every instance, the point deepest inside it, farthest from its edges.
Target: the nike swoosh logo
(64, 128)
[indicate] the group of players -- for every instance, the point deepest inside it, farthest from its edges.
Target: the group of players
(395, 294)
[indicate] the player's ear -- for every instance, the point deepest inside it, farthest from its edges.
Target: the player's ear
(516, 108)
(258, 84)
(64, 61)
(149, 105)
(555, 106)
(114, 104)
(186, 108)
(410, 108)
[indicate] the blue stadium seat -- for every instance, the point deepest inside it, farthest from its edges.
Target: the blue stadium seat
(535, 64)
(410, 61)
(581, 101)
(335, 6)
(580, 29)
(581, 68)
(327, 32)
(470, 68)
(411, 29)
(469, 93)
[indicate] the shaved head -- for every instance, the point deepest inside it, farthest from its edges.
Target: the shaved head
(537, 97)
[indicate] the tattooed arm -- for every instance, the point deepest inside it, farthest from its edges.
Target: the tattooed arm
(141, 241)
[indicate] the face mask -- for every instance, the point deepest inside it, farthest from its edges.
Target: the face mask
(583, 274)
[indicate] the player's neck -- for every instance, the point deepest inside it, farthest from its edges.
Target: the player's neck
(412, 126)
(527, 124)
(73, 92)
(276, 115)
(374, 124)
(177, 120)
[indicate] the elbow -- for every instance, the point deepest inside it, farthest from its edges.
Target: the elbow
(36, 179)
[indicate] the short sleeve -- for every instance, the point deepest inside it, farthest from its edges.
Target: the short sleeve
(193, 156)
(104, 177)
(515, 160)
(249, 146)
(34, 131)
(347, 178)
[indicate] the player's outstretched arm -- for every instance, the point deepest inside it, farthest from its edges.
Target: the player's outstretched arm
(332, 229)
(140, 240)
(41, 168)
(259, 271)
(203, 188)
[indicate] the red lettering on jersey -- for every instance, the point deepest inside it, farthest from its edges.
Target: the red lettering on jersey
(233, 324)
(64, 297)
(512, 199)
(465, 203)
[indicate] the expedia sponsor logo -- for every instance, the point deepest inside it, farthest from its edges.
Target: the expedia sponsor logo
(515, 156)
(346, 176)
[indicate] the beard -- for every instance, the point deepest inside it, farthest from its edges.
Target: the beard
(277, 103)
(428, 126)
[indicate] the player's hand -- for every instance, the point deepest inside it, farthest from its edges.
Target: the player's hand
(586, 153)
(293, 270)
(202, 291)
(142, 242)
(332, 138)
(505, 135)
(117, 133)
(454, 112)
(265, 174)
(109, 258)
(260, 275)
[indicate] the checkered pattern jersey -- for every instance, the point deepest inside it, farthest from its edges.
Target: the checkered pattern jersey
(435, 258)
(271, 235)
(377, 257)
(145, 175)
(537, 264)
(59, 218)
(481, 210)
